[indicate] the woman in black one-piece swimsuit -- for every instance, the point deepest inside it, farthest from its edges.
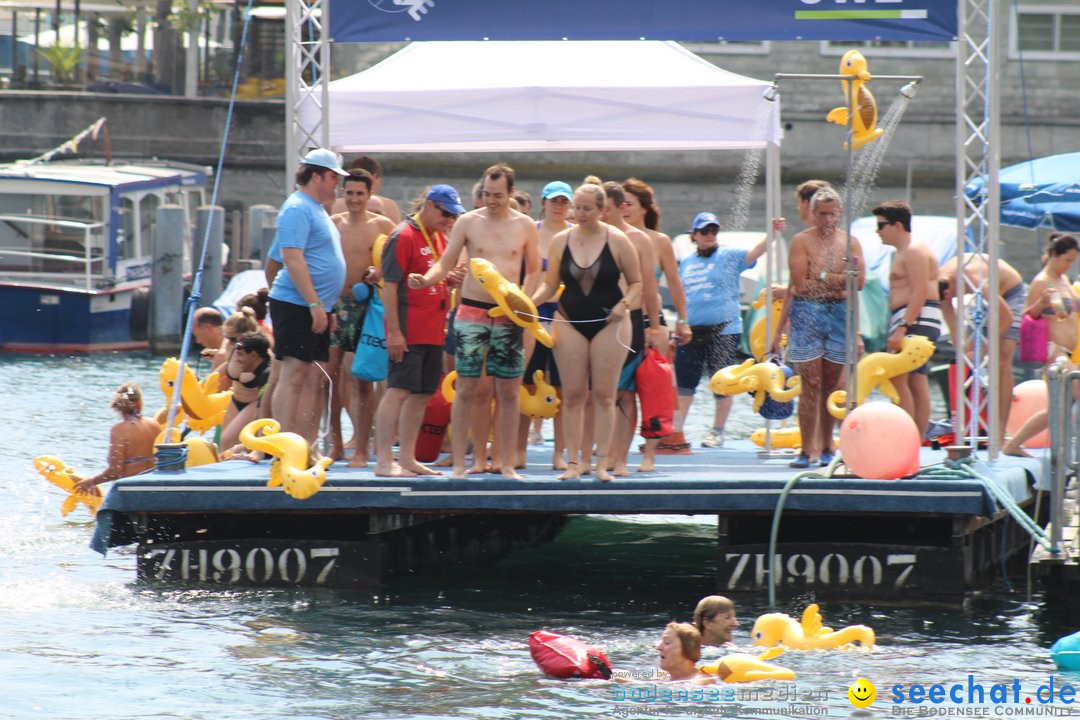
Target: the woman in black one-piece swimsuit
(591, 335)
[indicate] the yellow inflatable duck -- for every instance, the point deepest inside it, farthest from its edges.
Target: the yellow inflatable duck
(203, 405)
(861, 107)
(782, 438)
(290, 469)
(774, 629)
(739, 667)
(876, 369)
(544, 403)
(200, 450)
(63, 476)
(509, 300)
(758, 378)
(758, 347)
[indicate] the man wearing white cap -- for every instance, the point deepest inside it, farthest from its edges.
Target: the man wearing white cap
(710, 278)
(308, 284)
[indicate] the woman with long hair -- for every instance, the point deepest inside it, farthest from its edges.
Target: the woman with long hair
(1051, 296)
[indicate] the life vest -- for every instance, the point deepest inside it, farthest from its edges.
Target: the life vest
(565, 657)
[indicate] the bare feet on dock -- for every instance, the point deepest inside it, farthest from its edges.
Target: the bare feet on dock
(392, 470)
(647, 465)
(478, 468)
(602, 474)
(573, 472)
(557, 463)
(458, 472)
(418, 469)
(447, 461)
(620, 470)
(512, 475)
(1015, 451)
(337, 452)
(359, 460)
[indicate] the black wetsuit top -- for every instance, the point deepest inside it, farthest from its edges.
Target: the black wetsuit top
(589, 293)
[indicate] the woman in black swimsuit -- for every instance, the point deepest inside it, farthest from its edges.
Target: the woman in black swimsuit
(249, 369)
(590, 338)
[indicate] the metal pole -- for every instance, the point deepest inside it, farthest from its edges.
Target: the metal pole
(772, 272)
(1058, 385)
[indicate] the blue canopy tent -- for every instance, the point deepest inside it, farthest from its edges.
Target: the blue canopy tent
(1044, 192)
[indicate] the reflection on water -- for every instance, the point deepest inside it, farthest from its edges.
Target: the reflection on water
(80, 639)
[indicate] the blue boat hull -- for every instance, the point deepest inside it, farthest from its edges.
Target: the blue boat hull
(39, 319)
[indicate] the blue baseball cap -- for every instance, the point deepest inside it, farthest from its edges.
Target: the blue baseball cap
(557, 188)
(446, 196)
(704, 219)
(324, 158)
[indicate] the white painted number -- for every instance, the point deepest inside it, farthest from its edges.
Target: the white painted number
(834, 569)
(257, 565)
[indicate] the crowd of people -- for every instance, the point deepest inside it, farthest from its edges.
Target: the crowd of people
(591, 263)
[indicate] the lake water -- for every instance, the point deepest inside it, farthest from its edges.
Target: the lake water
(80, 639)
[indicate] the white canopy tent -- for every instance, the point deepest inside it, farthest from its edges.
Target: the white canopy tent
(547, 96)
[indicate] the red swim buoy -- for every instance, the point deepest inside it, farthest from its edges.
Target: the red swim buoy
(655, 386)
(565, 657)
(433, 427)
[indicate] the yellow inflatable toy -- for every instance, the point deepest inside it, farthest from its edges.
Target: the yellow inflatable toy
(509, 300)
(200, 450)
(376, 254)
(738, 667)
(876, 369)
(782, 438)
(861, 107)
(544, 403)
(203, 405)
(63, 476)
(758, 347)
(757, 378)
(774, 629)
(291, 468)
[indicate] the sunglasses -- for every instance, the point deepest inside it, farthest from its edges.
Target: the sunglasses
(445, 213)
(709, 230)
(883, 223)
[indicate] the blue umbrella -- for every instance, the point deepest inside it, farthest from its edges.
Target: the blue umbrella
(1019, 212)
(1033, 176)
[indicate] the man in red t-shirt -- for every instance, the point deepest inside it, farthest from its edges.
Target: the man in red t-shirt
(415, 324)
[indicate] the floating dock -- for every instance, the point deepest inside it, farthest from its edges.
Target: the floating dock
(848, 537)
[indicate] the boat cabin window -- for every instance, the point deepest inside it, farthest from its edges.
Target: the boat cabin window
(51, 233)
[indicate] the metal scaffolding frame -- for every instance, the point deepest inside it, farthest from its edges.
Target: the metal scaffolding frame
(307, 80)
(978, 155)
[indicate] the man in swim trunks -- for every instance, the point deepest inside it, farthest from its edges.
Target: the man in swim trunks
(914, 305)
(359, 229)
(710, 278)
(1012, 301)
(817, 347)
(504, 237)
(415, 323)
(309, 283)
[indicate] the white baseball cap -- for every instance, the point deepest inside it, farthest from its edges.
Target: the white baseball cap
(325, 158)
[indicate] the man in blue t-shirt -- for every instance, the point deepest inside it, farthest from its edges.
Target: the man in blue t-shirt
(710, 278)
(309, 283)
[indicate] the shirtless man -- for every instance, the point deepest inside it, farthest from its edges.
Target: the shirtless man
(1012, 301)
(914, 307)
(645, 311)
(376, 203)
(505, 238)
(818, 345)
(359, 228)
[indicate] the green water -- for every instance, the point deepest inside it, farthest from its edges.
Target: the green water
(79, 638)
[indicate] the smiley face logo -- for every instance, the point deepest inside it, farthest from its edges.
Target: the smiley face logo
(862, 693)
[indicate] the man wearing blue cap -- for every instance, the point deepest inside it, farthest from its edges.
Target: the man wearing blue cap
(309, 283)
(710, 278)
(415, 322)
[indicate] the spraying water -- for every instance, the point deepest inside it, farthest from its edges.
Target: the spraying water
(867, 164)
(738, 213)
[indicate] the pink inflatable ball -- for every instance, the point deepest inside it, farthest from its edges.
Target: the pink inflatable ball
(879, 441)
(1029, 397)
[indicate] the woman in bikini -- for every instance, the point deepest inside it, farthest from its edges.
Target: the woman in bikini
(131, 441)
(1051, 296)
(591, 337)
(248, 368)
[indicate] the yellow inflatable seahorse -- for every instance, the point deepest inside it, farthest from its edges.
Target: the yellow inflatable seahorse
(544, 403)
(757, 378)
(876, 369)
(291, 469)
(62, 475)
(861, 109)
(203, 405)
(788, 437)
(509, 300)
(739, 667)
(780, 629)
(758, 347)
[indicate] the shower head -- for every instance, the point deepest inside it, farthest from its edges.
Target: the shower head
(771, 93)
(908, 90)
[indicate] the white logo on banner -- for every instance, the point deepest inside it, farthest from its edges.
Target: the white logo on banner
(415, 8)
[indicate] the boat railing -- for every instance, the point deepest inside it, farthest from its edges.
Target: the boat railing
(40, 263)
(1064, 440)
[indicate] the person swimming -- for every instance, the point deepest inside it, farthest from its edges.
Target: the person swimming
(714, 618)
